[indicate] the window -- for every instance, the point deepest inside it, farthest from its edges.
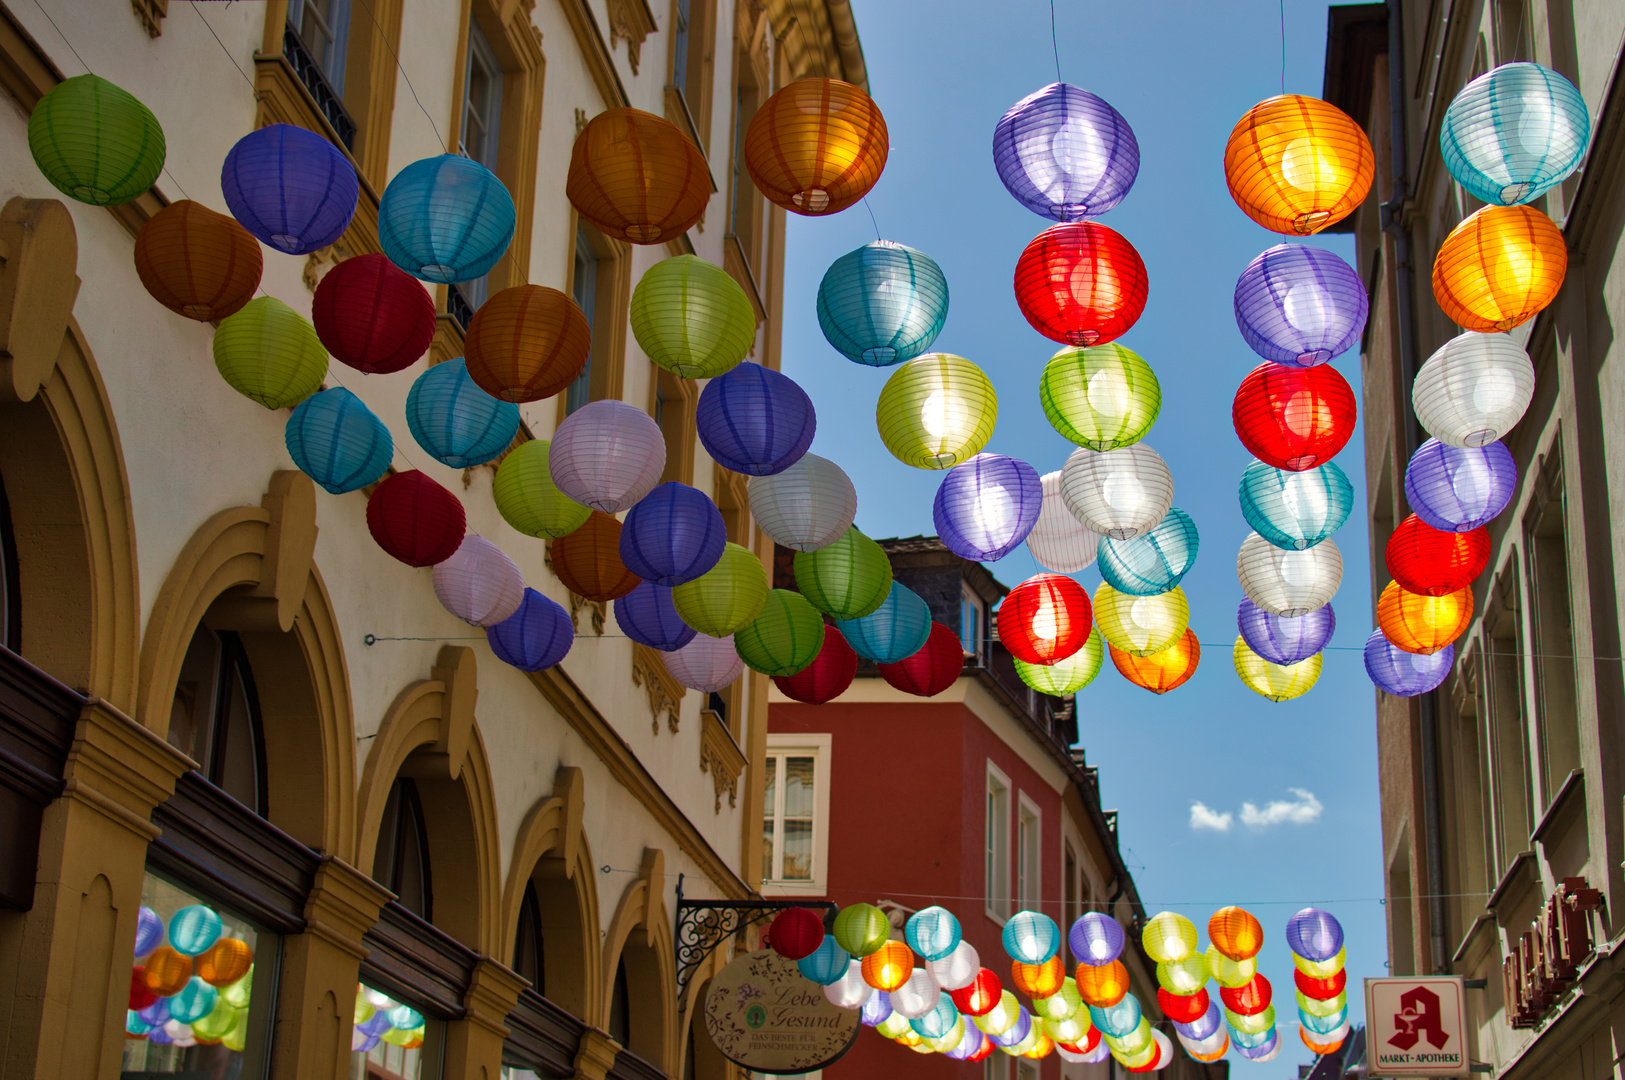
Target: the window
(1556, 697)
(1029, 855)
(1507, 736)
(529, 955)
(996, 1067)
(10, 588)
(584, 290)
(1069, 899)
(392, 1040)
(970, 622)
(795, 812)
(401, 863)
(1026, 1070)
(215, 717)
(998, 845)
(672, 402)
(680, 44)
(324, 28)
(744, 205)
(620, 1008)
(480, 136)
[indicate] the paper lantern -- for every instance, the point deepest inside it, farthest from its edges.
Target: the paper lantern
(986, 506)
(1322, 1025)
(1065, 1003)
(917, 996)
(1314, 934)
(1248, 1000)
(588, 561)
(1118, 493)
(894, 631)
(673, 535)
(877, 1009)
(932, 932)
(1236, 933)
(535, 637)
(1318, 1047)
(935, 667)
(755, 420)
(1259, 1023)
(197, 263)
(1068, 675)
(980, 996)
(1278, 682)
(1423, 624)
(1141, 625)
(149, 931)
(938, 1022)
(1003, 1016)
(95, 142)
(527, 343)
(168, 969)
(1228, 971)
(1118, 1021)
(637, 177)
(1103, 985)
(1405, 674)
(1264, 1052)
(1182, 977)
(827, 677)
(237, 994)
(816, 146)
(478, 583)
(1434, 562)
(1096, 938)
(1296, 164)
(1065, 153)
(825, 964)
(193, 930)
(849, 991)
(1209, 1024)
(1293, 418)
(1320, 989)
(193, 1001)
(784, 638)
(1499, 268)
(1289, 583)
(1300, 305)
(1060, 542)
(268, 353)
(805, 507)
(1160, 672)
(1154, 561)
(847, 579)
(882, 303)
(527, 498)
(445, 219)
(1474, 390)
(888, 966)
(958, 969)
(1044, 619)
(215, 1026)
(1296, 509)
(1220, 1045)
(1038, 980)
(224, 962)
(726, 597)
(1183, 1008)
(290, 187)
(894, 1026)
(1101, 397)
(1031, 937)
(371, 315)
(456, 422)
(1321, 969)
(936, 411)
(415, 519)
(1071, 1029)
(647, 616)
(1514, 133)
(1285, 640)
(607, 455)
(972, 1045)
(1460, 488)
(1317, 1007)
(706, 664)
(338, 442)
(1080, 283)
(1169, 937)
(691, 318)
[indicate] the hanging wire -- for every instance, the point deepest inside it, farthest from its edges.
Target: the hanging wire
(1283, 46)
(872, 220)
(1055, 40)
(385, 39)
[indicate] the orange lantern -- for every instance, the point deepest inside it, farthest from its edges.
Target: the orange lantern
(817, 146)
(1224, 1048)
(636, 177)
(167, 971)
(1499, 268)
(1102, 986)
(1162, 671)
(1423, 624)
(1043, 1048)
(224, 962)
(196, 262)
(1038, 980)
(527, 343)
(889, 966)
(588, 560)
(1296, 165)
(1236, 933)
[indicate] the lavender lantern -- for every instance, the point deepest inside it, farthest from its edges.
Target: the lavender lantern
(1283, 640)
(1300, 305)
(1404, 674)
(1459, 488)
(986, 506)
(1065, 153)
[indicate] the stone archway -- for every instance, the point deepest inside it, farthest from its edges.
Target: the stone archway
(640, 934)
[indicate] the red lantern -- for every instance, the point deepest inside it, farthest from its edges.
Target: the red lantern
(373, 315)
(1080, 283)
(827, 677)
(1320, 989)
(1248, 999)
(931, 670)
(984, 1051)
(1087, 1045)
(796, 932)
(1294, 418)
(1045, 619)
(1150, 1066)
(1182, 1008)
(1432, 562)
(980, 996)
(415, 519)
(140, 994)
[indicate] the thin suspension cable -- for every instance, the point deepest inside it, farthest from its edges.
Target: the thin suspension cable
(61, 35)
(872, 220)
(385, 39)
(1055, 41)
(1283, 46)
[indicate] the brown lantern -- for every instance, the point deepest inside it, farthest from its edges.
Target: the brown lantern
(636, 177)
(817, 146)
(196, 262)
(527, 343)
(588, 560)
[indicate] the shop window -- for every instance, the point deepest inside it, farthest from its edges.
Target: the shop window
(10, 588)
(215, 717)
(392, 1040)
(795, 813)
(529, 957)
(401, 863)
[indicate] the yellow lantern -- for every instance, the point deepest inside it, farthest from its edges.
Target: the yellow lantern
(1072, 1030)
(1278, 682)
(1231, 974)
(1423, 624)
(912, 1039)
(1319, 1007)
(1043, 1045)
(1499, 268)
(1132, 1043)
(936, 411)
(1169, 937)
(1183, 977)
(944, 1043)
(1296, 164)
(1002, 1017)
(1141, 625)
(1321, 969)
(894, 1025)
(1064, 1004)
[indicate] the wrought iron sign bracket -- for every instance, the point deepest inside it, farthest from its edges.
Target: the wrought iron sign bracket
(702, 925)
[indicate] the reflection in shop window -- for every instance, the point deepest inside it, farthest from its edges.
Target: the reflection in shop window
(391, 1040)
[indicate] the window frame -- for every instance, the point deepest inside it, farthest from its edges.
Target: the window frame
(480, 54)
(334, 68)
(1028, 890)
(971, 602)
(996, 811)
(818, 746)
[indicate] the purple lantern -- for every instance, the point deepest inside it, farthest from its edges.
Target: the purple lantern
(1401, 673)
(1283, 640)
(156, 1014)
(755, 421)
(1459, 488)
(161, 1037)
(149, 931)
(1204, 1025)
(674, 534)
(290, 187)
(376, 1024)
(876, 1009)
(361, 1042)
(1314, 934)
(1098, 1055)
(647, 616)
(1300, 305)
(1065, 153)
(534, 637)
(1255, 1053)
(1015, 1032)
(1096, 939)
(986, 506)
(968, 1044)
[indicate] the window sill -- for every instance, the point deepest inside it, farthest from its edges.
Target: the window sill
(815, 887)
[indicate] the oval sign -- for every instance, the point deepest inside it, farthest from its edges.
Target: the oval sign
(762, 1013)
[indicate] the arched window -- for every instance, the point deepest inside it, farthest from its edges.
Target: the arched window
(529, 958)
(215, 717)
(401, 864)
(620, 1008)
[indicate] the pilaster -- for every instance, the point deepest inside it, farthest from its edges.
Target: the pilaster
(596, 1055)
(474, 1043)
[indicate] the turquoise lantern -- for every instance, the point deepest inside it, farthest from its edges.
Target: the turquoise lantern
(883, 303)
(338, 442)
(894, 631)
(455, 421)
(1295, 510)
(932, 933)
(445, 219)
(1153, 562)
(1514, 133)
(826, 964)
(1031, 937)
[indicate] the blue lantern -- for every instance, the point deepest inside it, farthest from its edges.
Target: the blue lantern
(1153, 562)
(535, 637)
(161, 1037)
(376, 1024)
(290, 187)
(883, 303)
(1283, 640)
(986, 506)
(134, 1025)
(1300, 306)
(156, 1014)
(1251, 1040)
(454, 420)
(149, 931)
(825, 965)
(1016, 1032)
(1295, 510)
(1096, 939)
(755, 420)
(1514, 133)
(876, 1009)
(193, 1001)
(646, 615)
(445, 219)
(1204, 1025)
(1256, 1053)
(931, 932)
(1402, 673)
(1323, 1025)
(938, 1022)
(1117, 1020)
(337, 441)
(193, 929)
(674, 534)
(1065, 153)
(405, 1017)
(1459, 488)
(1314, 934)
(894, 631)
(1031, 937)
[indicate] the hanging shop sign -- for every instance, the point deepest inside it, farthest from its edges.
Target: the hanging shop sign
(1548, 956)
(762, 1014)
(1416, 1027)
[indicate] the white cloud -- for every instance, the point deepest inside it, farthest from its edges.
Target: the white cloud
(1303, 810)
(1205, 817)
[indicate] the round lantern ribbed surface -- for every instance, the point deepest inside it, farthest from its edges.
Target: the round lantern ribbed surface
(1044, 619)
(674, 534)
(535, 637)
(1515, 132)
(1402, 673)
(1423, 624)
(1081, 283)
(932, 669)
(1101, 397)
(816, 146)
(1278, 682)
(1065, 153)
(706, 664)
(527, 343)
(936, 411)
(725, 598)
(895, 630)
(415, 519)
(95, 142)
(1068, 675)
(1474, 390)
(1285, 640)
(1154, 561)
(1289, 583)
(987, 506)
(637, 177)
(197, 263)
(1141, 625)
(337, 441)
(372, 315)
(445, 219)
(648, 616)
(1432, 561)
(883, 303)
(1293, 418)
(1297, 165)
(1314, 934)
(1059, 541)
(1118, 493)
(1161, 671)
(478, 583)
(1296, 510)
(755, 420)
(1460, 488)
(290, 187)
(827, 677)
(588, 560)
(784, 637)
(1499, 268)
(456, 422)
(270, 354)
(805, 507)
(847, 579)
(607, 455)
(1300, 305)
(527, 498)
(691, 318)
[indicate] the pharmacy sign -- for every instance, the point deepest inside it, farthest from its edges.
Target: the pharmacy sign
(1416, 1027)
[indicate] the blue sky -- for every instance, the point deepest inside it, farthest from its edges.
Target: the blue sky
(1182, 73)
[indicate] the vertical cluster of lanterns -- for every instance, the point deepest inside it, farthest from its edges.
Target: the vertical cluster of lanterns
(379, 1018)
(191, 987)
(1316, 940)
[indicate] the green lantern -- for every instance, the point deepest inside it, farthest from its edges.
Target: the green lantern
(691, 318)
(218, 1024)
(847, 579)
(1256, 1024)
(527, 498)
(861, 929)
(936, 411)
(726, 597)
(1102, 397)
(1069, 675)
(1183, 977)
(94, 142)
(784, 638)
(1065, 1004)
(238, 993)
(270, 353)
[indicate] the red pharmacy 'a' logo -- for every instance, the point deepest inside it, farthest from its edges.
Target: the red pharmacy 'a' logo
(1418, 1015)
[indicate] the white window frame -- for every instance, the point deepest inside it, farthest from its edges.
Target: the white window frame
(968, 600)
(1029, 890)
(996, 846)
(819, 748)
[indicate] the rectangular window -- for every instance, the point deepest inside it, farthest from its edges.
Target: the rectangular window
(480, 136)
(1026, 1070)
(392, 1040)
(324, 27)
(970, 622)
(680, 36)
(1069, 868)
(584, 289)
(795, 813)
(1029, 852)
(998, 845)
(1550, 616)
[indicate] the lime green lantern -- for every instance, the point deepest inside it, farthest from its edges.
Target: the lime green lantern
(894, 1025)
(848, 579)
(1231, 974)
(1102, 397)
(861, 929)
(784, 638)
(527, 498)
(1068, 675)
(1141, 625)
(1256, 1024)
(726, 597)
(692, 318)
(95, 142)
(1183, 977)
(1072, 1030)
(936, 411)
(1134, 1042)
(1316, 1007)
(1064, 1004)
(1278, 682)
(270, 353)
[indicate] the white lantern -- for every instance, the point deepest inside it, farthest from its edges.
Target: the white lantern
(1289, 583)
(706, 664)
(1066, 1055)
(1209, 1045)
(1165, 1050)
(1474, 389)
(479, 584)
(808, 506)
(916, 997)
(849, 991)
(1118, 493)
(958, 969)
(1060, 542)
(607, 455)
(1275, 1051)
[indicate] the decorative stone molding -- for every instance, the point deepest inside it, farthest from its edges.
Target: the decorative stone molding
(596, 1056)
(151, 13)
(665, 692)
(632, 20)
(721, 757)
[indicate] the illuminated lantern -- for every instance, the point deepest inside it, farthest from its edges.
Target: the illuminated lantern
(980, 996)
(445, 219)
(1322, 1025)
(706, 664)
(1249, 1000)
(237, 994)
(1474, 390)
(1259, 1023)
(877, 1009)
(140, 996)
(1185, 976)
(848, 579)
(986, 506)
(214, 1027)
(1499, 268)
(149, 931)
(1060, 542)
(931, 670)
(1267, 1051)
(268, 353)
(917, 996)
(1104, 985)
(1205, 1027)
(1432, 562)
(607, 455)
(1314, 934)
(1141, 625)
(673, 535)
(371, 315)
(883, 303)
(1101, 397)
(1289, 583)
(415, 519)
(1130, 1044)
(1405, 674)
(1120, 1020)
(1315, 1047)
(784, 638)
(827, 677)
(1072, 1029)
(894, 631)
(337, 441)
(478, 583)
(1154, 561)
(1065, 153)
(1031, 937)
(1296, 509)
(1284, 640)
(95, 142)
(1235, 933)
(1328, 1007)
(1080, 283)
(647, 616)
(1320, 989)
(1202, 1052)
(755, 421)
(958, 969)
(970, 1046)
(1169, 938)
(849, 991)
(932, 932)
(894, 1025)
(1321, 969)
(290, 187)
(1423, 624)
(1300, 305)
(526, 496)
(1118, 493)
(1068, 675)
(795, 933)
(1183, 1008)
(527, 343)
(168, 970)
(1160, 672)
(588, 560)
(816, 146)
(1514, 133)
(1296, 165)
(455, 421)
(224, 962)
(1003, 1018)
(807, 506)
(1063, 1004)
(691, 318)
(1293, 418)
(825, 964)
(193, 930)
(936, 411)
(938, 1022)
(1278, 682)
(726, 597)
(193, 1001)
(535, 637)
(197, 263)
(1460, 488)
(1038, 980)
(1096, 938)
(1044, 619)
